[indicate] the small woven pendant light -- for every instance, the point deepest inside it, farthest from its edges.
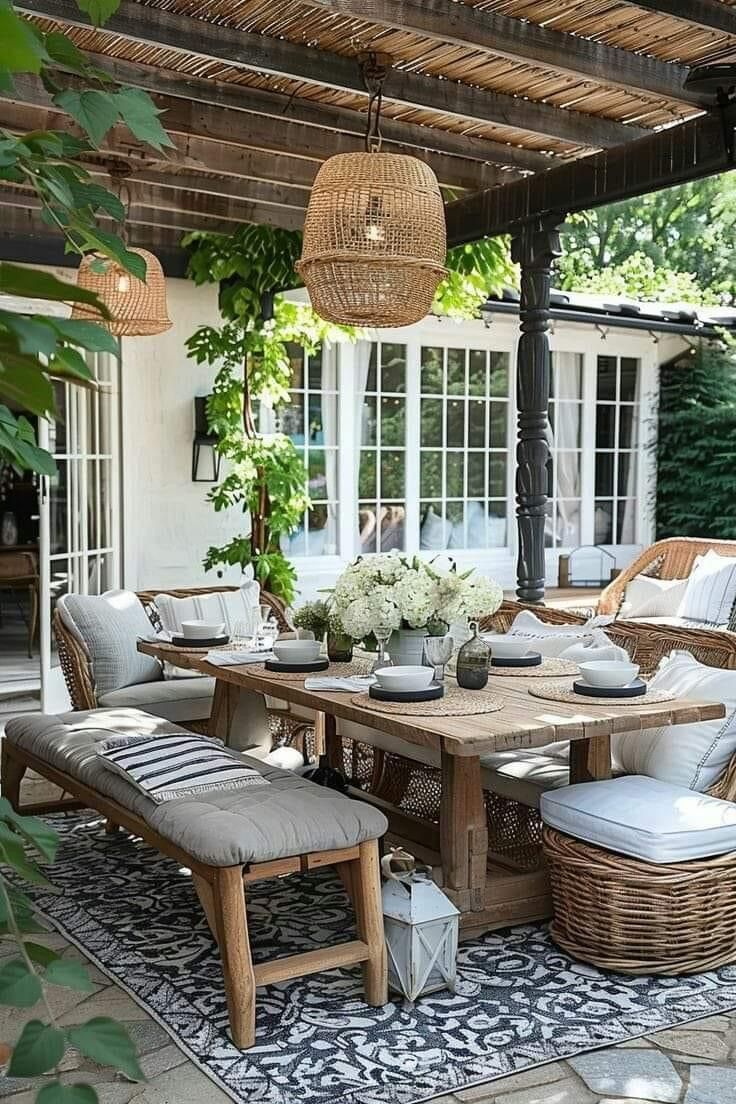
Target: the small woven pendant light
(137, 307)
(374, 235)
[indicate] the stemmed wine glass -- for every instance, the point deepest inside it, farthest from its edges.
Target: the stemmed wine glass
(438, 652)
(383, 659)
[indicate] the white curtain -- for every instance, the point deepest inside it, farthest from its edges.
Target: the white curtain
(566, 440)
(329, 439)
(628, 520)
(362, 362)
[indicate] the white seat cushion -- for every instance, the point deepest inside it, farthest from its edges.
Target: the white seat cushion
(693, 755)
(181, 699)
(643, 818)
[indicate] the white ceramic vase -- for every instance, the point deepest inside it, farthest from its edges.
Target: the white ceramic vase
(406, 647)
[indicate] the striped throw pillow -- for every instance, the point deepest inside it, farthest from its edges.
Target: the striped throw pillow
(711, 590)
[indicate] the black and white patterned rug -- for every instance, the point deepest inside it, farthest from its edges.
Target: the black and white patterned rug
(520, 1001)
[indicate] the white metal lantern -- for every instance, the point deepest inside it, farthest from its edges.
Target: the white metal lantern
(421, 926)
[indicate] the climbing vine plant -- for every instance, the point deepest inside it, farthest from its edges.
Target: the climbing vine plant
(250, 354)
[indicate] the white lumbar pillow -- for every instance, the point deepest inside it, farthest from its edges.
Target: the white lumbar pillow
(692, 755)
(649, 597)
(711, 590)
(549, 640)
(229, 606)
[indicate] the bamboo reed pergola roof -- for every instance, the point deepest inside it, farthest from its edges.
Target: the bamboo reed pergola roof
(516, 104)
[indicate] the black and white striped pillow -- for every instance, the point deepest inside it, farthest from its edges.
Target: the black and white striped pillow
(168, 767)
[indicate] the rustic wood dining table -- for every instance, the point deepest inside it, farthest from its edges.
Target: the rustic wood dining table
(488, 894)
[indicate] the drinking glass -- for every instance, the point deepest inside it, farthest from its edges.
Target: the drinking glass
(383, 659)
(244, 634)
(438, 653)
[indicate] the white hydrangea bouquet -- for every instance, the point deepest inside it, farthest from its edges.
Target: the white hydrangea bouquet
(390, 591)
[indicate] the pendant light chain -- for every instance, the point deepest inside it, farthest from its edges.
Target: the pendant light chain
(374, 70)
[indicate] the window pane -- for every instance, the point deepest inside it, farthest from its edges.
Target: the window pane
(368, 422)
(498, 424)
(432, 371)
(292, 420)
(393, 367)
(629, 370)
(477, 474)
(315, 370)
(296, 360)
(607, 378)
(499, 374)
(455, 473)
(567, 523)
(603, 522)
(316, 430)
(567, 474)
(392, 527)
(372, 377)
(367, 474)
(567, 374)
(604, 473)
(626, 521)
(476, 424)
(605, 427)
(567, 425)
(455, 423)
(497, 524)
(322, 474)
(322, 540)
(430, 478)
(497, 475)
(455, 371)
(435, 531)
(626, 475)
(367, 527)
(392, 421)
(431, 430)
(627, 427)
(477, 372)
(392, 474)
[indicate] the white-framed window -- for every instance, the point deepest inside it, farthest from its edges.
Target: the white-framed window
(617, 415)
(463, 442)
(382, 449)
(311, 421)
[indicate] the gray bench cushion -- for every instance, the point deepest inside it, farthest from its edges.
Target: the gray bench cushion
(178, 699)
(290, 817)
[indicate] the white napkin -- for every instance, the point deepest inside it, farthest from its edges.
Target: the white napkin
(354, 683)
(234, 659)
(162, 637)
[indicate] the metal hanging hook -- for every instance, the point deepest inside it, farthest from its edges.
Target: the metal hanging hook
(374, 68)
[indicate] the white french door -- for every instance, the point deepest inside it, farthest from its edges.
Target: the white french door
(79, 531)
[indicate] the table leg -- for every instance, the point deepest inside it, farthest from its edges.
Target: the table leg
(332, 742)
(590, 760)
(463, 832)
(224, 704)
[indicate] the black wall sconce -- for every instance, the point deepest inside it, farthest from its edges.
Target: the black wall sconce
(203, 438)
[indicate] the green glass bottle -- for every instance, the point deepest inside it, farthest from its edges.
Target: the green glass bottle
(472, 662)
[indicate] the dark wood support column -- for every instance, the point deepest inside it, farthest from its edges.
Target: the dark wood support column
(534, 247)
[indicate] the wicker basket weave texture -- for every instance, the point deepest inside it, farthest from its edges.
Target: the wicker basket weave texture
(138, 307)
(677, 555)
(374, 239)
(623, 914)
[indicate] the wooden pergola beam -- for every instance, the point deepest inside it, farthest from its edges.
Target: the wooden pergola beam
(519, 41)
(710, 14)
(218, 124)
(241, 97)
(687, 152)
(279, 57)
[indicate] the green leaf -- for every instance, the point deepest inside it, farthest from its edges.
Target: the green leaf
(96, 112)
(89, 194)
(42, 956)
(69, 362)
(89, 335)
(20, 280)
(23, 382)
(21, 51)
(19, 987)
(108, 1043)
(63, 51)
(13, 853)
(99, 11)
(72, 974)
(37, 832)
(39, 1049)
(34, 335)
(141, 116)
(56, 1093)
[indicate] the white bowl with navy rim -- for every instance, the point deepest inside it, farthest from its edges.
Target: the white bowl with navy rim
(506, 646)
(404, 678)
(608, 674)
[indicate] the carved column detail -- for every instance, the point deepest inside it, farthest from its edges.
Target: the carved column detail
(534, 246)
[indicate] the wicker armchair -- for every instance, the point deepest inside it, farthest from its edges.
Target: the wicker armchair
(674, 558)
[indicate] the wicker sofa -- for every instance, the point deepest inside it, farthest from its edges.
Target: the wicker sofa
(76, 662)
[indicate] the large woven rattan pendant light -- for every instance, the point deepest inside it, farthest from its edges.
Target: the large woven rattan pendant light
(374, 234)
(137, 307)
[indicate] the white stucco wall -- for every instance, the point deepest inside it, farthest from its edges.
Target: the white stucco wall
(168, 524)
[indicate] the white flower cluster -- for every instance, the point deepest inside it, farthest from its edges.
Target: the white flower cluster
(390, 591)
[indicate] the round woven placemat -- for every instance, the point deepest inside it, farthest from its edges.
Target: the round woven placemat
(455, 703)
(548, 668)
(335, 670)
(550, 691)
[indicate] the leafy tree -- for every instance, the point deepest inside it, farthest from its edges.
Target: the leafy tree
(696, 450)
(250, 353)
(685, 230)
(34, 348)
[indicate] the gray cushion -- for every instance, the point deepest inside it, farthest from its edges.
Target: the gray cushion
(181, 699)
(225, 828)
(523, 776)
(109, 625)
